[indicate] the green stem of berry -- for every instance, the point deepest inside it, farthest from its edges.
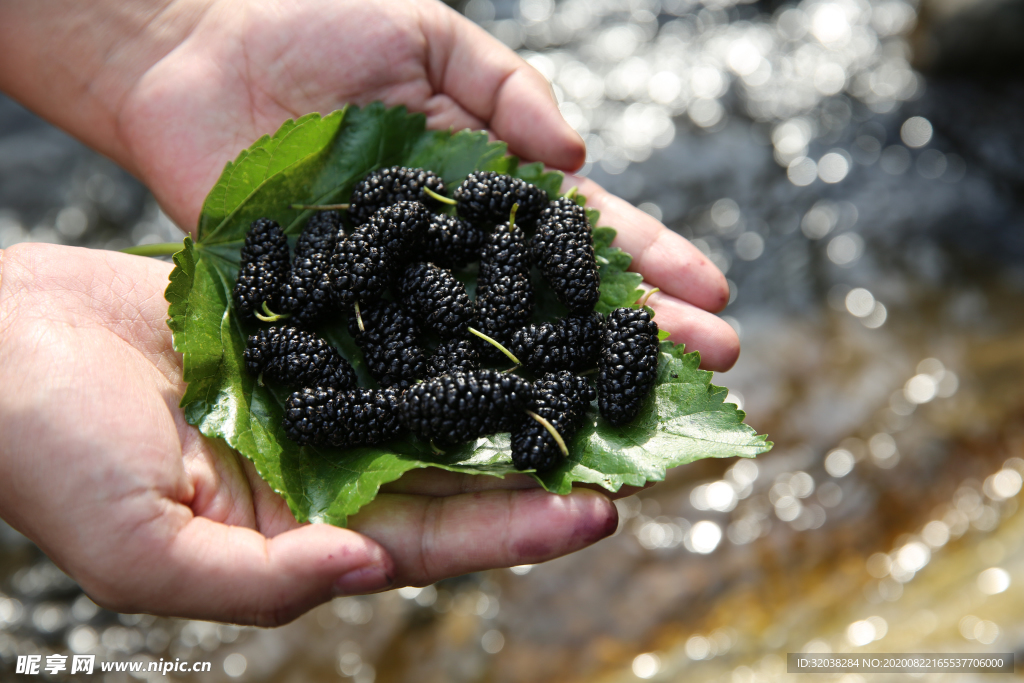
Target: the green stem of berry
(270, 316)
(648, 295)
(602, 260)
(359, 318)
(571, 194)
(162, 249)
(320, 207)
(591, 371)
(512, 216)
(433, 447)
(552, 431)
(439, 197)
(496, 344)
(259, 380)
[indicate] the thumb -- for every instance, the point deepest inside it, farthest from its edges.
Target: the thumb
(218, 572)
(512, 98)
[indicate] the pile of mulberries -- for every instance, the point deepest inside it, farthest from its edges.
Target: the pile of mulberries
(392, 268)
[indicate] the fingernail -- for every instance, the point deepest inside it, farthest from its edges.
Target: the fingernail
(363, 580)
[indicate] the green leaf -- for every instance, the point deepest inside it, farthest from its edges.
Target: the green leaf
(318, 160)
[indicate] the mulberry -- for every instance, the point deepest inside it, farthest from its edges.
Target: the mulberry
(402, 228)
(390, 343)
(573, 343)
(628, 365)
(504, 253)
(561, 399)
(487, 197)
(320, 234)
(452, 357)
(389, 186)
(263, 268)
(451, 242)
(307, 293)
(436, 299)
(563, 250)
(504, 296)
(360, 267)
(297, 358)
(310, 415)
(359, 417)
(458, 408)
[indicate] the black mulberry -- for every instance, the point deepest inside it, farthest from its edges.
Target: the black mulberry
(389, 186)
(451, 242)
(504, 254)
(504, 293)
(390, 342)
(573, 343)
(263, 268)
(628, 365)
(297, 358)
(359, 417)
(453, 356)
(360, 267)
(307, 292)
(367, 417)
(563, 250)
(437, 299)
(320, 234)
(402, 228)
(487, 197)
(454, 409)
(310, 415)
(561, 399)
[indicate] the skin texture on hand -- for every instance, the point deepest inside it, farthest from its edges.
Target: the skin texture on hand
(97, 463)
(103, 472)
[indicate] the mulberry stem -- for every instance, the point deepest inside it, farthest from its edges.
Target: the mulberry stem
(571, 194)
(270, 316)
(552, 431)
(359, 318)
(433, 447)
(648, 295)
(320, 207)
(439, 197)
(496, 345)
(512, 216)
(163, 249)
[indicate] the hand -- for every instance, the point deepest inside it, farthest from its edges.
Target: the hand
(174, 90)
(100, 469)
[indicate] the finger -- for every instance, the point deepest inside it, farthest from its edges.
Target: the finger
(432, 538)
(717, 342)
(431, 481)
(495, 85)
(218, 572)
(624, 492)
(272, 514)
(666, 259)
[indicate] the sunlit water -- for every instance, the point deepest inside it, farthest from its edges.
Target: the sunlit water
(867, 220)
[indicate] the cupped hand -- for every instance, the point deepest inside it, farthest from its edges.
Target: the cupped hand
(99, 467)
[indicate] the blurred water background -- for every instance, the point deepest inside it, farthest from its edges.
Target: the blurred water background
(856, 168)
